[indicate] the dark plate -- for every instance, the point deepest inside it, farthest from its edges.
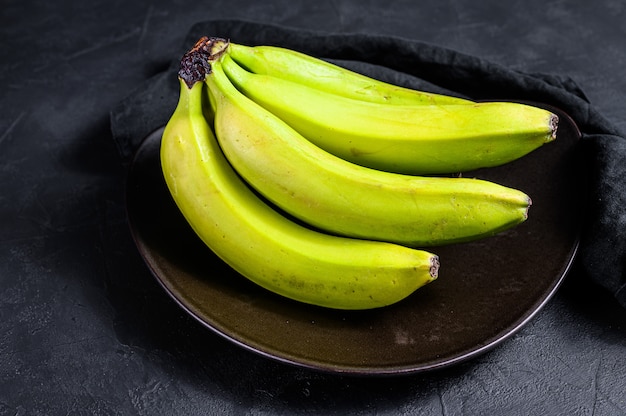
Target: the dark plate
(485, 292)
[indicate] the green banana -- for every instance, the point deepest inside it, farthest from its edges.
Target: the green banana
(308, 70)
(261, 244)
(418, 139)
(347, 199)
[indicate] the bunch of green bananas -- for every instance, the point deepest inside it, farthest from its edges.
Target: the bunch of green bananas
(303, 176)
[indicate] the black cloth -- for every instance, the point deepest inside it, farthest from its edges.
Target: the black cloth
(602, 250)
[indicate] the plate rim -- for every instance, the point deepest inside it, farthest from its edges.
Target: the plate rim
(353, 370)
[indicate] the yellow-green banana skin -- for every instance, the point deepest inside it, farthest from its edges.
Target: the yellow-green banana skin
(418, 139)
(347, 199)
(308, 70)
(265, 246)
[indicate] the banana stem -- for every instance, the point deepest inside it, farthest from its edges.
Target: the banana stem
(195, 64)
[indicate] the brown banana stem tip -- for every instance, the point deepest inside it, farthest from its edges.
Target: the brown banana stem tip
(554, 125)
(195, 64)
(434, 267)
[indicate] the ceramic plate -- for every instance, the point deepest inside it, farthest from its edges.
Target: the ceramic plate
(486, 289)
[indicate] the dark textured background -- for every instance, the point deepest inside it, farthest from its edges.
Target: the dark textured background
(85, 329)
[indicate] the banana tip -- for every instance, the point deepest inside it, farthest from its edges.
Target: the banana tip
(434, 267)
(528, 205)
(554, 126)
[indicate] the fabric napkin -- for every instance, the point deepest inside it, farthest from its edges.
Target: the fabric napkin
(602, 250)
